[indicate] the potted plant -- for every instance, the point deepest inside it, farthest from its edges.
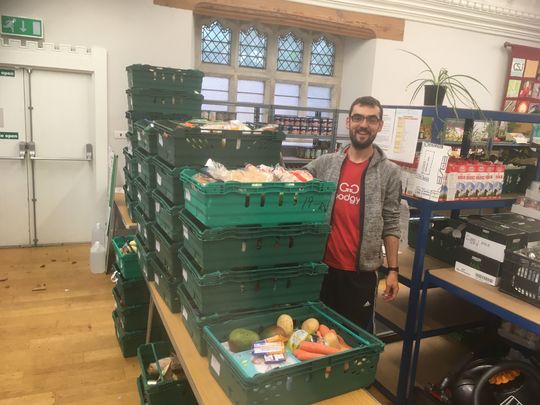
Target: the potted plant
(437, 86)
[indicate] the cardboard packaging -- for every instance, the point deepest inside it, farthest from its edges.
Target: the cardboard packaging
(477, 266)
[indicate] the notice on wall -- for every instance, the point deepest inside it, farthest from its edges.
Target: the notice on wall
(431, 171)
(399, 135)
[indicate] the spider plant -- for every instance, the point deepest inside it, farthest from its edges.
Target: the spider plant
(453, 85)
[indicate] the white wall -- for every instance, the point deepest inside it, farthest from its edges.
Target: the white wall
(132, 31)
(461, 52)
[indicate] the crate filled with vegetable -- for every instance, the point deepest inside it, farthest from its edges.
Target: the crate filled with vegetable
(192, 143)
(162, 378)
(259, 195)
(125, 248)
(302, 355)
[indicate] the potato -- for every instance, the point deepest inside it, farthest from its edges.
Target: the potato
(286, 323)
(310, 325)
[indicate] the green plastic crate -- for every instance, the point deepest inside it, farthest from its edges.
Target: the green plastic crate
(144, 255)
(145, 168)
(167, 252)
(145, 199)
(254, 289)
(158, 391)
(128, 341)
(186, 104)
(303, 383)
(129, 187)
(194, 320)
(133, 142)
(131, 292)
(128, 263)
(131, 163)
(131, 204)
(225, 248)
(168, 182)
(145, 229)
(233, 203)
(157, 77)
(167, 217)
(179, 145)
(131, 318)
(166, 285)
(146, 136)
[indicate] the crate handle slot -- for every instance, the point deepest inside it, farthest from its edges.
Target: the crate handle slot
(243, 246)
(259, 244)
(280, 199)
(258, 285)
(291, 241)
(277, 243)
(263, 199)
(238, 143)
(295, 199)
(246, 203)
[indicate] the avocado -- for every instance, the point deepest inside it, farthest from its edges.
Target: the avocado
(241, 339)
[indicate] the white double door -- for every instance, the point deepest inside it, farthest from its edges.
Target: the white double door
(46, 175)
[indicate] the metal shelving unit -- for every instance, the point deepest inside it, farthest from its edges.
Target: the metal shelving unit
(412, 333)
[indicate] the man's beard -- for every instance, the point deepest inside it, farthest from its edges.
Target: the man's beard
(358, 144)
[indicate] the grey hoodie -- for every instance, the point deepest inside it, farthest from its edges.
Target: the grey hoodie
(379, 206)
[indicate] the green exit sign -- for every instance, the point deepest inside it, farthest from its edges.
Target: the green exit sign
(22, 27)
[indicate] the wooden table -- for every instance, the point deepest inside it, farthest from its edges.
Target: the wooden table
(487, 297)
(206, 388)
(120, 204)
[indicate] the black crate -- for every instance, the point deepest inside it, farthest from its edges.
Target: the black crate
(520, 275)
(480, 267)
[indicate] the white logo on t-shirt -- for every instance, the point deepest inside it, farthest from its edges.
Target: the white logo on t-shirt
(349, 192)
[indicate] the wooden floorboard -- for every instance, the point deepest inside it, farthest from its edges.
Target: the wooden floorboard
(59, 345)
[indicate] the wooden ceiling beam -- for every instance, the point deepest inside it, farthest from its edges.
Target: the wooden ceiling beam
(287, 13)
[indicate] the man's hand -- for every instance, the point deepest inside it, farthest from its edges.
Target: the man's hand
(392, 286)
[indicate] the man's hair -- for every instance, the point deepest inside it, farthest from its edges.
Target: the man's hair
(369, 101)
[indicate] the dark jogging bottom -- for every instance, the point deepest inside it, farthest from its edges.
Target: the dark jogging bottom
(351, 294)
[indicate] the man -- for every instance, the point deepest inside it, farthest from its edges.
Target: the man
(365, 214)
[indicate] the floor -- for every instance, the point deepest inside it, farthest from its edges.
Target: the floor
(57, 336)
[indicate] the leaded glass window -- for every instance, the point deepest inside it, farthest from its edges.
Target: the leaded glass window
(322, 57)
(290, 53)
(216, 44)
(252, 50)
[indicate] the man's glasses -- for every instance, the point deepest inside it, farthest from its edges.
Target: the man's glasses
(371, 119)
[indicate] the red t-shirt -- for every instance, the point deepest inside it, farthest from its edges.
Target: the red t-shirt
(342, 246)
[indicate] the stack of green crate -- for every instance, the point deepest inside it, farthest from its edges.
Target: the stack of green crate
(159, 93)
(154, 92)
(249, 247)
(131, 297)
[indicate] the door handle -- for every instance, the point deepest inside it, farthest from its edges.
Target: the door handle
(22, 153)
(89, 154)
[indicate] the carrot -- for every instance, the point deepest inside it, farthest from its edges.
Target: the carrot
(304, 355)
(319, 334)
(323, 329)
(317, 348)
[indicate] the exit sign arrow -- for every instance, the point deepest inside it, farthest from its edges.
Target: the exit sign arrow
(22, 27)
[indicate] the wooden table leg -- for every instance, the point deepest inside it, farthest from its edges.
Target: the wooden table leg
(150, 317)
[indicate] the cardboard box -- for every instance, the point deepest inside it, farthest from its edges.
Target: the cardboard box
(477, 266)
(492, 239)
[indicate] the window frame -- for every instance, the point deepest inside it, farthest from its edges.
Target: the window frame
(270, 75)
